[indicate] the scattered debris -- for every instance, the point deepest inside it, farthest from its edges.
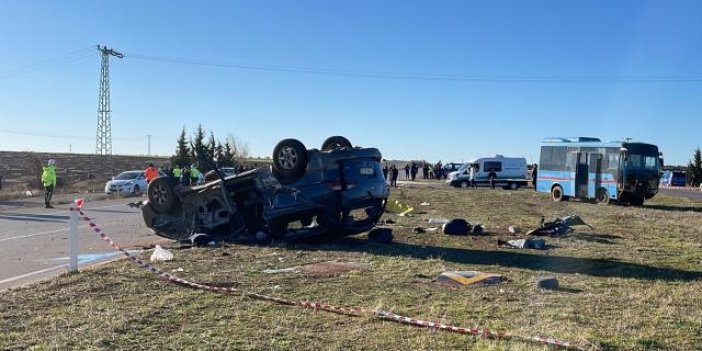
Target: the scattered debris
(381, 235)
(463, 278)
(137, 204)
(432, 229)
(438, 220)
(419, 230)
(397, 207)
(478, 229)
(178, 270)
(389, 221)
(28, 193)
(528, 243)
(424, 204)
(161, 254)
(559, 226)
(456, 226)
(514, 229)
(550, 283)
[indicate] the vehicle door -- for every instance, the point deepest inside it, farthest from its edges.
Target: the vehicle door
(595, 169)
(581, 175)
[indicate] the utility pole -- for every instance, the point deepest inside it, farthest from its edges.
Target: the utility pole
(103, 138)
(148, 153)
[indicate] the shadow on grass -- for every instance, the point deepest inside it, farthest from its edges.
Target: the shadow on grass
(596, 238)
(556, 264)
(673, 208)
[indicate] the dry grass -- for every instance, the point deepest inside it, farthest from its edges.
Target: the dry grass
(631, 283)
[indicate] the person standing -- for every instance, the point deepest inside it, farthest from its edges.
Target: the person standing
(150, 173)
(534, 175)
(185, 176)
(407, 169)
(176, 171)
(395, 173)
(414, 171)
(471, 177)
(195, 175)
(385, 172)
(492, 176)
(48, 180)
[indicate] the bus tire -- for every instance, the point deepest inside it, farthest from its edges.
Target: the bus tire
(557, 193)
(513, 186)
(602, 196)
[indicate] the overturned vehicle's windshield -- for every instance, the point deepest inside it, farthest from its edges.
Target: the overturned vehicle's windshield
(338, 190)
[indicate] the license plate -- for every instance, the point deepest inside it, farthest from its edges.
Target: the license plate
(366, 171)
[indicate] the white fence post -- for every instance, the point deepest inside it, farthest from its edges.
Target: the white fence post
(73, 241)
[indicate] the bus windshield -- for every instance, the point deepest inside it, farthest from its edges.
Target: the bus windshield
(644, 157)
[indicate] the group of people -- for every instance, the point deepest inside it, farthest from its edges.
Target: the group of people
(188, 175)
(393, 172)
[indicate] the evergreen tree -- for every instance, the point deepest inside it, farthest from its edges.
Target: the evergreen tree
(198, 149)
(228, 154)
(182, 156)
(211, 147)
(694, 168)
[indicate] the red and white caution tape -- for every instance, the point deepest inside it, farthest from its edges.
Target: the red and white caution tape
(343, 310)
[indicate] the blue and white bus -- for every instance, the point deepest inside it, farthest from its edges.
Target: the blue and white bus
(588, 168)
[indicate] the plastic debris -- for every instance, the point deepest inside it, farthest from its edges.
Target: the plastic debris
(438, 220)
(432, 229)
(419, 230)
(28, 193)
(464, 278)
(529, 243)
(161, 254)
(559, 226)
(550, 283)
(78, 202)
(399, 208)
(178, 270)
(424, 204)
(514, 229)
(456, 226)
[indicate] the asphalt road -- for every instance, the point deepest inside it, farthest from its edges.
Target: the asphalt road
(34, 240)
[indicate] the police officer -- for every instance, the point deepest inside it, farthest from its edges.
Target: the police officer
(48, 180)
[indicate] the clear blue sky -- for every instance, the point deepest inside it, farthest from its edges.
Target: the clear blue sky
(573, 42)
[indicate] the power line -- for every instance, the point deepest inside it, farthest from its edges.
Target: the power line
(47, 63)
(420, 76)
(64, 136)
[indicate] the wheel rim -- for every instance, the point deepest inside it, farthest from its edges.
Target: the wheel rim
(464, 185)
(160, 194)
(513, 186)
(287, 157)
(557, 194)
(602, 197)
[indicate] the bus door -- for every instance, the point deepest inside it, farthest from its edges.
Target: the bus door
(581, 175)
(595, 167)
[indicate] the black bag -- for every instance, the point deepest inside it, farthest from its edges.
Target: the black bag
(457, 226)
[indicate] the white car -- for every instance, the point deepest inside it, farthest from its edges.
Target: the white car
(127, 183)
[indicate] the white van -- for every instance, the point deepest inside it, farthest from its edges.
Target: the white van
(511, 172)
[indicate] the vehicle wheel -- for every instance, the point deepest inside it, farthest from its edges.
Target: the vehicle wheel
(289, 158)
(557, 193)
(464, 185)
(602, 196)
(335, 142)
(513, 186)
(161, 195)
(136, 190)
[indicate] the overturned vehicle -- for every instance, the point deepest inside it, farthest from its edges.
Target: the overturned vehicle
(338, 190)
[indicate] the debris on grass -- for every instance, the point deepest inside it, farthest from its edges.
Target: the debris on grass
(381, 235)
(282, 270)
(161, 254)
(464, 278)
(419, 230)
(558, 226)
(398, 208)
(514, 229)
(528, 243)
(437, 220)
(424, 204)
(549, 283)
(457, 226)
(478, 229)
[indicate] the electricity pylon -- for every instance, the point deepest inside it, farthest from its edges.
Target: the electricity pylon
(103, 139)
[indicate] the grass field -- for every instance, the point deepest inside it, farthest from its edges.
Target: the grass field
(632, 283)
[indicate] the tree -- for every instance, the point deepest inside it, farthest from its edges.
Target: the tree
(198, 149)
(182, 156)
(228, 155)
(694, 168)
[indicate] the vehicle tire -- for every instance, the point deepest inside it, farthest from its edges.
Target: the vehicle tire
(557, 193)
(136, 190)
(289, 158)
(160, 194)
(602, 196)
(464, 185)
(335, 142)
(513, 186)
